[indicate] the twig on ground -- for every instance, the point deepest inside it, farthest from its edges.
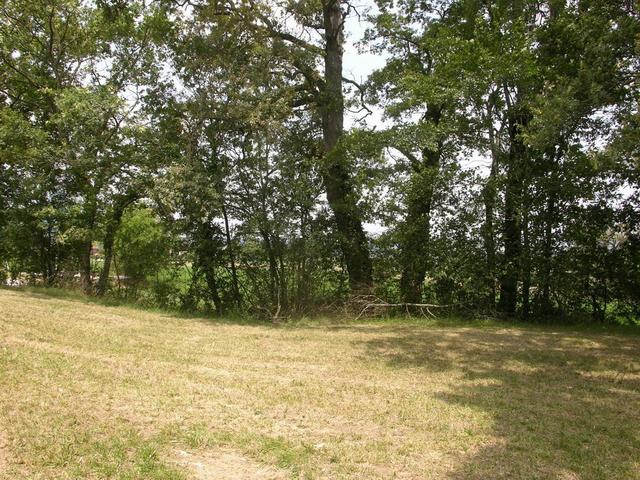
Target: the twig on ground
(421, 306)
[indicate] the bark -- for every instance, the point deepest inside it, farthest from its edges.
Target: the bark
(417, 227)
(235, 289)
(283, 292)
(512, 217)
(109, 237)
(273, 266)
(416, 231)
(277, 282)
(489, 198)
(87, 245)
(212, 284)
(337, 179)
(526, 263)
(85, 266)
(207, 262)
(547, 254)
(550, 220)
(302, 273)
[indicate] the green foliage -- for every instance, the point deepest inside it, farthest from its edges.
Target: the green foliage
(140, 244)
(227, 125)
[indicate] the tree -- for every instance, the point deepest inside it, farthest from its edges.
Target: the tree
(321, 93)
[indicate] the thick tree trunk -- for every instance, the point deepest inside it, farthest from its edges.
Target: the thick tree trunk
(337, 178)
(416, 230)
(512, 219)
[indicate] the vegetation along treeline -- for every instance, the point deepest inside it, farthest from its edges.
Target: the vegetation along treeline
(194, 154)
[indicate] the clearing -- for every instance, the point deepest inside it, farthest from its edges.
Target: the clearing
(90, 391)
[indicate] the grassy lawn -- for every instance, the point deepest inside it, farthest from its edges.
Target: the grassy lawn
(90, 391)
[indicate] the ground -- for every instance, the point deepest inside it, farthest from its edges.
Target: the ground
(92, 391)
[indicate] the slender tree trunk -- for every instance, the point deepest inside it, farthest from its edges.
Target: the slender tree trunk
(526, 262)
(302, 287)
(489, 239)
(109, 237)
(85, 265)
(87, 245)
(336, 175)
(44, 259)
(273, 267)
(548, 253)
(212, 284)
(550, 221)
(282, 276)
(489, 197)
(232, 259)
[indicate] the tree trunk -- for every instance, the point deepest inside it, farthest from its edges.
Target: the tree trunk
(212, 285)
(109, 237)
(85, 265)
(283, 295)
(302, 274)
(526, 262)
(336, 176)
(416, 230)
(87, 245)
(235, 289)
(512, 216)
(545, 303)
(273, 267)
(549, 222)
(489, 197)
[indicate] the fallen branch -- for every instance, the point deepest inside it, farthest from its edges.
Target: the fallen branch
(421, 306)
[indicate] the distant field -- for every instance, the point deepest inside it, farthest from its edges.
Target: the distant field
(89, 391)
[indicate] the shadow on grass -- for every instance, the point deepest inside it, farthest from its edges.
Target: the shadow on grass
(562, 405)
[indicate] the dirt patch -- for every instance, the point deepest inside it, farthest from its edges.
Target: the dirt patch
(225, 465)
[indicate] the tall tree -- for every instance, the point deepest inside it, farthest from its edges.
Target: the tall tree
(320, 91)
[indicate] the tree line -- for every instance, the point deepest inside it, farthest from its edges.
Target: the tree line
(193, 154)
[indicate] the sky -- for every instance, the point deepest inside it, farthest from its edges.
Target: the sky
(358, 64)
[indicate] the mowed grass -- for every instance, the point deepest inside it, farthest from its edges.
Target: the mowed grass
(90, 391)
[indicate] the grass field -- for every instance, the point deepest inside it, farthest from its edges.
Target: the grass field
(90, 391)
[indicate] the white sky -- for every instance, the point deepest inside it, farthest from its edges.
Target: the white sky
(358, 65)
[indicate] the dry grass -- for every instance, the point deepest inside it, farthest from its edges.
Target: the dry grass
(89, 391)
